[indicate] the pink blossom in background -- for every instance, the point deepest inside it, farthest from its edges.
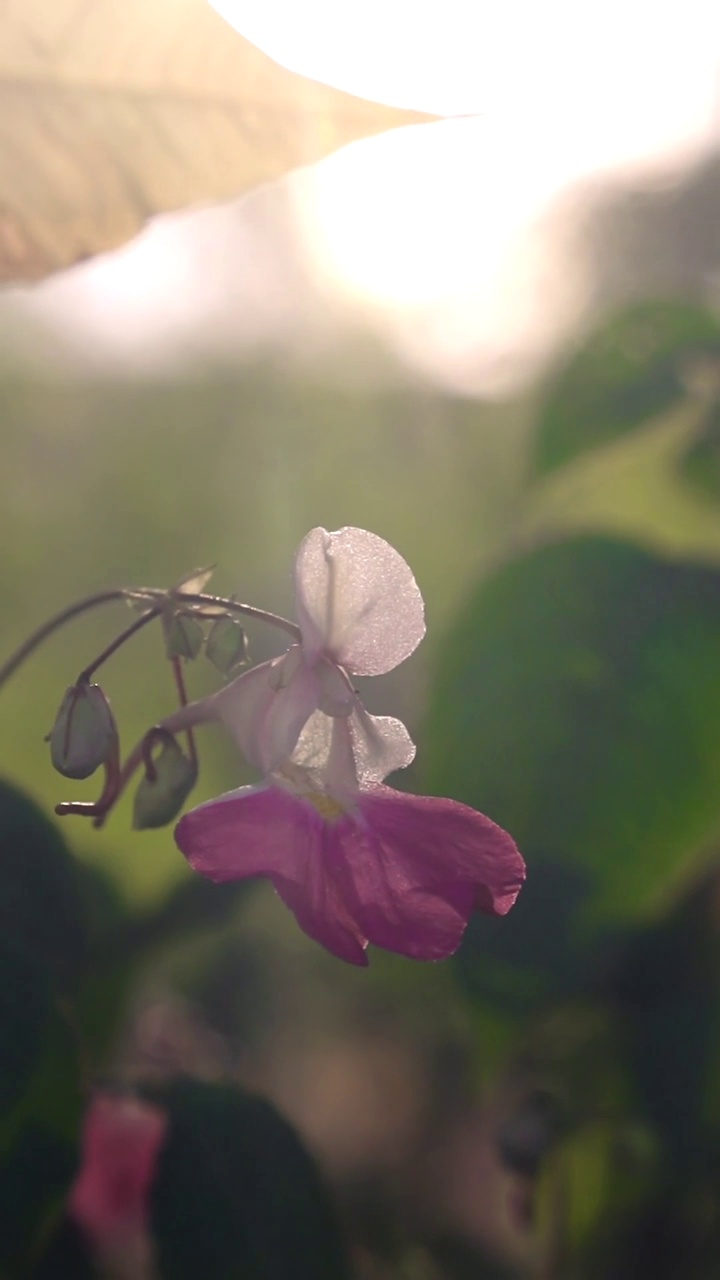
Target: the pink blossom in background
(122, 1137)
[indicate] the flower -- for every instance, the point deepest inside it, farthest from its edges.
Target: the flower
(122, 1137)
(360, 613)
(356, 861)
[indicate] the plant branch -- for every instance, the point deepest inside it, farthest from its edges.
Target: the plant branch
(156, 596)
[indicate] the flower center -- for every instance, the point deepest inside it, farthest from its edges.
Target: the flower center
(328, 808)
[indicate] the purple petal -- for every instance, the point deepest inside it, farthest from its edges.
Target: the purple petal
(416, 867)
(357, 601)
(266, 831)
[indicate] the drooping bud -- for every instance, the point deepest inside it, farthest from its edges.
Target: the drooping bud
(226, 644)
(84, 735)
(163, 792)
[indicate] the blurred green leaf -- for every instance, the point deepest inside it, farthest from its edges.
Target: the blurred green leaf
(535, 954)
(577, 702)
(236, 1196)
(41, 908)
(53, 1089)
(634, 368)
(701, 462)
(664, 982)
(34, 1175)
(602, 1172)
(25, 1002)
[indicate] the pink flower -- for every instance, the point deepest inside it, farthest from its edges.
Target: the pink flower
(355, 861)
(122, 1137)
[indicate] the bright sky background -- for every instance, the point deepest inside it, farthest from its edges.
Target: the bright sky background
(438, 234)
(466, 56)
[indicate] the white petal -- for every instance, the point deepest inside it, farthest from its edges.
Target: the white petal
(380, 745)
(340, 755)
(313, 746)
(267, 721)
(357, 601)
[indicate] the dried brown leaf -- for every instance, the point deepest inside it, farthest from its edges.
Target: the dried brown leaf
(114, 110)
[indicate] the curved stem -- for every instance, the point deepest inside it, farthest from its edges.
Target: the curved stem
(234, 606)
(151, 594)
(115, 644)
(53, 624)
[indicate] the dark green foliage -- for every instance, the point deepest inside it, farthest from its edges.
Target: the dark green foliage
(33, 1176)
(701, 462)
(629, 371)
(236, 1195)
(577, 702)
(537, 953)
(66, 1256)
(41, 909)
(25, 1002)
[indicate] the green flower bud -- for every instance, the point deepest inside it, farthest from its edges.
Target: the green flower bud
(159, 801)
(84, 735)
(183, 636)
(226, 644)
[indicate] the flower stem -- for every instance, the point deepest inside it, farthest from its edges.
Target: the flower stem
(182, 695)
(156, 596)
(53, 624)
(115, 644)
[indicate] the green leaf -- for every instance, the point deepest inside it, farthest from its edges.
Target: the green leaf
(236, 1196)
(41, 908)
(25, 1004)
(701, 463)
(633, 369)
(226, 644)
(577, 703)
(158, 801)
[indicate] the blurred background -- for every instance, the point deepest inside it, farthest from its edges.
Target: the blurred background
(494, 340)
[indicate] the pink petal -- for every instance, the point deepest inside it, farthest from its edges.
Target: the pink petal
(416, 867)
(266, 720)
(266, 831)
(357, 601)
(121, 1141)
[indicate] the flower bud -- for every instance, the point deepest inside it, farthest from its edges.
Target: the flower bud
(183, 636)
(160, 799)
(84, 735)
(226, 644)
